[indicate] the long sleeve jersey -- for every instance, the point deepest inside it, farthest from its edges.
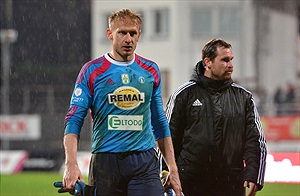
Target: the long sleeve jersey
(124, 99)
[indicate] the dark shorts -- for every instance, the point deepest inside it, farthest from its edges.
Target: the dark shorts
(132, 173)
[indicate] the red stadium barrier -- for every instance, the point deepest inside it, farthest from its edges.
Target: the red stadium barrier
(281, 127)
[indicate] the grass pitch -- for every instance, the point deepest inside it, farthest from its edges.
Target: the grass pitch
(41, 183)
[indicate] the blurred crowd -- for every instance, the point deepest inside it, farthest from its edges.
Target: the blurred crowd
(284, 101)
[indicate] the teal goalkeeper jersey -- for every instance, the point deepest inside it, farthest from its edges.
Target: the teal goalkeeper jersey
(124, 99)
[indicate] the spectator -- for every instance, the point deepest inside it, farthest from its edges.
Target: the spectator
(290, 94)
(279, 99)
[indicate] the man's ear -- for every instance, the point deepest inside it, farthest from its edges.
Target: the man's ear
(109, 34)
(207, 63)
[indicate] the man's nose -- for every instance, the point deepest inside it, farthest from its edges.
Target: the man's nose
(128, 37)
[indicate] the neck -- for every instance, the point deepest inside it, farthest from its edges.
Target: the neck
(120, 58)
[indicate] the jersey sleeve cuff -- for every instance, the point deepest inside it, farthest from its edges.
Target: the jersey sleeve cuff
(72, 128)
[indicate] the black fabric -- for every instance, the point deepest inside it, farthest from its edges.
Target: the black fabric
(213, 138)
(89, 190)
(210, 180)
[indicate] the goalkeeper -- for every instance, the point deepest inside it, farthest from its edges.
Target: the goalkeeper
(122, 91)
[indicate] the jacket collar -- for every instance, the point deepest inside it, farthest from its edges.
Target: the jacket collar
(208, 83)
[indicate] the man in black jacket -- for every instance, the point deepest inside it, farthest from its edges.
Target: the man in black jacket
(216, 130)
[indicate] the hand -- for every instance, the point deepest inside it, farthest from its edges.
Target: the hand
(252, 188)
(173, 181)
(71, 175)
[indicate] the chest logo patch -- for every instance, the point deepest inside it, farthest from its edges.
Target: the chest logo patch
(126, 98)
(125, 122)
(125, 78)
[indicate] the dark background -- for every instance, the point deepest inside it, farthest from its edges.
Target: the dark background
(53, 43)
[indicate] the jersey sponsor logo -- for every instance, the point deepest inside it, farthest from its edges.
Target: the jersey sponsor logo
(77, 99)
(125, 122)
(126, 98)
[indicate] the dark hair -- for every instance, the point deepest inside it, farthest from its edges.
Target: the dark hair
(210, 48)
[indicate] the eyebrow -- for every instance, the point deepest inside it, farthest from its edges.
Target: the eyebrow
(227, 58)
(127, 31)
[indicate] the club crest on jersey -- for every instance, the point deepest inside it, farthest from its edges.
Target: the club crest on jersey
(125, 78)
(141, 79)
(126, 97)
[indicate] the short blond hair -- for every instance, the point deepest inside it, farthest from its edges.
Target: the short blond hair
(125, 14)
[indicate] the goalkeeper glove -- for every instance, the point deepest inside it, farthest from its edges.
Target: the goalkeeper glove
(80, 189)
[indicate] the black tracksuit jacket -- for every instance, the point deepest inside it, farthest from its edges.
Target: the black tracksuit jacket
(216, 132)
